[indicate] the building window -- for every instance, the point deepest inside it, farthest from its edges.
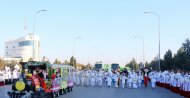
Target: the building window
(7, 47)
(7, 53)
(13, 46)
(25, 43)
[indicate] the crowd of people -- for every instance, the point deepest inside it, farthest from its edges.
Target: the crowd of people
(176, 81)
(124, 79)
(7, 76)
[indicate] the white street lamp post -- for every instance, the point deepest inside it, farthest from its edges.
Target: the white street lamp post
(143, 49)
(89, 54)
(33, 31)
(157, 15)
(74, 46)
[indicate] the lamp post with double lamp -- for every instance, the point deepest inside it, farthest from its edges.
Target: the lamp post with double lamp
(34, 31)
(89, 54)
(74, 43)
(143, 49)
(157, 15)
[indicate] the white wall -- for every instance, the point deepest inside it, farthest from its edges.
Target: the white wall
(13, 50)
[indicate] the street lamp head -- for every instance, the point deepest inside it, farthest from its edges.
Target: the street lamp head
(138, 36)
(79, 37)
(146, 11)
(40, 11)
(43, 10)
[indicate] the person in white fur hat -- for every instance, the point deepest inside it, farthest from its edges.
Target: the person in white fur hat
(93, 80)
(1, 78)
(123, 79)
(134, 80)
(129, 80)
(152, 77)
(188, 88)
(109, 80)
(139, 80)
(185, 86)
(99, 75)
(115, 77)
(77, 78)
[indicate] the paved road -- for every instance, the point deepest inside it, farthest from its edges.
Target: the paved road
(3, 91)
(106, 92)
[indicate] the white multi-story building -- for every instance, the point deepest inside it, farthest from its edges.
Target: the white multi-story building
(23, 48)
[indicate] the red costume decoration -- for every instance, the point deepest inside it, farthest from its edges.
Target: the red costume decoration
(145, 81)
(145, 71)
(53, 76)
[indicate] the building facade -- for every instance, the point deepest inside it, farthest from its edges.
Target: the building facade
(23, 48)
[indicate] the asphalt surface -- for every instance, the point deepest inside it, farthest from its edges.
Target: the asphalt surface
(106, 92)
(110, 92)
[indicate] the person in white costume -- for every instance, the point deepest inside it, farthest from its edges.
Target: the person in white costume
(182, 83)
(171, 80)
(85, 78)
(82, 78)
(109, 80)
(15, 74)
(74, 76)
(123, 79)
(88, 78)
(188, 88)
(134, 80)
(152, 77)
(6, 72)
(139, 80)
(99, 79)
(115, 77)
(93, 80)
(1, 78)
(7, 75)
(77, 78)
(129, 80)
(185, 84)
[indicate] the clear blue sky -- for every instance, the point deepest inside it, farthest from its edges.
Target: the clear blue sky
(107, 25)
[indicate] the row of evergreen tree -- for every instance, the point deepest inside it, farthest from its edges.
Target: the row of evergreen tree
(179, 60)
(170, 61)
